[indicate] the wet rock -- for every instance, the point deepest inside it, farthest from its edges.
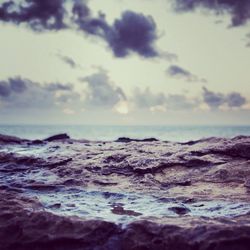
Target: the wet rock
(57, 137)
(121, 211)
(126, 139)
(180, 210)
(115, 158)
(247, 183)
(209, 177)
(184, 183)
(6, 139)
(223, 174)
(196, 162)
(58, 163)
(55, 206)
(234, 149)
(104, 183)
(36, 142)
(42, 187)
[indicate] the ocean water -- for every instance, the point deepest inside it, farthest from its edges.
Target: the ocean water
(170, 133)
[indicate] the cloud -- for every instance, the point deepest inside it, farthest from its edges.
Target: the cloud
(13, 85)
(133, 32)
(216, 100)
(180, 102)
(102, 92)
(177, 72)
(69, 61)
(248, 40)
(37, 14)
(239, 10)
(146, 99)
(212, 99)
(235, 100)
(171, 57)
(18, 93)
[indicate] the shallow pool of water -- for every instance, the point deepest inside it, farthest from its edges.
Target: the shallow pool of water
(127, 207)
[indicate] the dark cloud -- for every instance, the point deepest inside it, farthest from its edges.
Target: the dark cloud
(37, 14)
(177, 72)
(133, 32)
(235, 100)
(101, 92)
(17, 93)
(215, 100)
(238, 9)
(212, 99)
(12, 85)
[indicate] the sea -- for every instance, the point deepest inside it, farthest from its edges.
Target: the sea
(109, 133)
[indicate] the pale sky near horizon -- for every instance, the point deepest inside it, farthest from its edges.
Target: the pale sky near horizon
(200, 75)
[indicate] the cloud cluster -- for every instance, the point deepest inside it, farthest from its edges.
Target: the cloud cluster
(101, 92)
(19, 93)
(215, 100)
(238, 9)
(177, 72)
(13, 85)
(37, 14)
(146, 99)
(133, 32)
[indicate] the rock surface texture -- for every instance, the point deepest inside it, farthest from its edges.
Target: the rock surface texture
(65, 194)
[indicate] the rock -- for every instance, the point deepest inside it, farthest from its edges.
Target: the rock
(121, 211)
(126, 139)
(247, 183)
(57, 137)
(180, 210)
(55, 206)
(6, 139)
(36, 142)
(125, 183)
(104, 183)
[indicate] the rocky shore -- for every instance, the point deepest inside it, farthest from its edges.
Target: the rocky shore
(61, 193)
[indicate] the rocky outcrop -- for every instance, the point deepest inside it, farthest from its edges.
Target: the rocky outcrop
(57, 137)
(126, 139)
(140, 194)
(6, 139)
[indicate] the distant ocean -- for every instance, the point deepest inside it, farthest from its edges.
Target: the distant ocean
(171, 133)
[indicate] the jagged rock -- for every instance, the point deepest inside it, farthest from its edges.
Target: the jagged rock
(135, 182)
(6, 139)
(181, 210)
(126, 139)
(57, 137)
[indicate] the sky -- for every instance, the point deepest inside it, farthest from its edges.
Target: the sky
(123, 62)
